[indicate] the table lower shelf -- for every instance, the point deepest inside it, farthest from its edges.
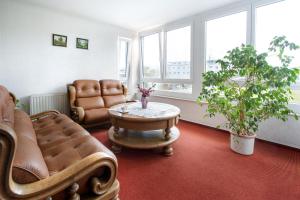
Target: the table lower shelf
(143, 139)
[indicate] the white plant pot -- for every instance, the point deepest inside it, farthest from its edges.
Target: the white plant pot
(242, 144)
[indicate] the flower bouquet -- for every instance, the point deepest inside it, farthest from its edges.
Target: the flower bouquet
(145, 93)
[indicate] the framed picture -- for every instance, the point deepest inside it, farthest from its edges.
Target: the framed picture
(82, 43)
(59, 40)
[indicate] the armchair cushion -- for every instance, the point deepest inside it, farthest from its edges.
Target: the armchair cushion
(87, 88)
(113, 100)
(90, 103)
(96, 115)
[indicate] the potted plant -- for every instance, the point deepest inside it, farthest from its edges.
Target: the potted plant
(248, 90)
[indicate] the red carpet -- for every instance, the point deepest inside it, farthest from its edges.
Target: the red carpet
(203, 167)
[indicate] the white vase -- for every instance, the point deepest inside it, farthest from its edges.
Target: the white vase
(242, 144)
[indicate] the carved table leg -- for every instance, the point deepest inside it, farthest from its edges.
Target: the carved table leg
(116, 132)
(115, 198)
(167, 133)
(168, 150)
(73, 192)
(116, 148)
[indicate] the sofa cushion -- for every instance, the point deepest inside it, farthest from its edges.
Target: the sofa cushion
(90, 103)
(87, 88)
(28, 165)
(113, 100)
(64, 142)
(111, 87)
(96, 115)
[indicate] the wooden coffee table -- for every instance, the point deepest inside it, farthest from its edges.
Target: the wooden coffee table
(149, 128)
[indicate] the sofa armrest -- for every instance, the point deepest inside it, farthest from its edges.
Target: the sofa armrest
(47, 187)
(44, 114)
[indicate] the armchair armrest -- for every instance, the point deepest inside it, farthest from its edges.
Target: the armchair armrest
(77, 113)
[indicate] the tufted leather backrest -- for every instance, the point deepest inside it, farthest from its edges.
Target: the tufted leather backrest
(88, 94)
(7, 107)
(113, 92)
(111, 87)
(87, 88)
(91, 94)
(28, 164)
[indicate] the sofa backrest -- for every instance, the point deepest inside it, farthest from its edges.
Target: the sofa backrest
(113, 92)
(87, 88)
(92, 94)
(88, 94)
(7, 107)
(28, 164)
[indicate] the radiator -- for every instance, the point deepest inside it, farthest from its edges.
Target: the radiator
(44, 102)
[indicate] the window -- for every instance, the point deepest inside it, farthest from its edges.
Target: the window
(171, 87)
(166, 60)
(178, 58)
(124, 60)
(279, 19)
(223, 34)
(151, 56)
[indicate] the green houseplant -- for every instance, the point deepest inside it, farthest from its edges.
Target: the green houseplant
(248, 90)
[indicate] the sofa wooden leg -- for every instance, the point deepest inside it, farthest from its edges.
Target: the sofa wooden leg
(116, 197)
(73, 192)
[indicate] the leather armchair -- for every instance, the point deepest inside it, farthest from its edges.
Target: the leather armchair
(90, 100)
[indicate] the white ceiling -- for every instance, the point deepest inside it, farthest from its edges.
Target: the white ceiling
(132, 14)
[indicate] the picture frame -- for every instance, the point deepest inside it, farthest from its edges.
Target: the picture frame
(59, 40)
(82, 43)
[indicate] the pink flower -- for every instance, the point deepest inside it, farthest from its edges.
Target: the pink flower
(146, 91)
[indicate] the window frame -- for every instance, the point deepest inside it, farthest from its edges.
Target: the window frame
(128, 59)
(224, 13)
(141, 39)
(162, 31)
(295, 106)
(198, 52)
(173, 28)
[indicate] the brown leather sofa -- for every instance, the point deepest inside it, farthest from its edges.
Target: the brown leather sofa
(49, 155)
(90, 100)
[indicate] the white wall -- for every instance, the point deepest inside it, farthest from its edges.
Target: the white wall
(286, 133)
(29, 64)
